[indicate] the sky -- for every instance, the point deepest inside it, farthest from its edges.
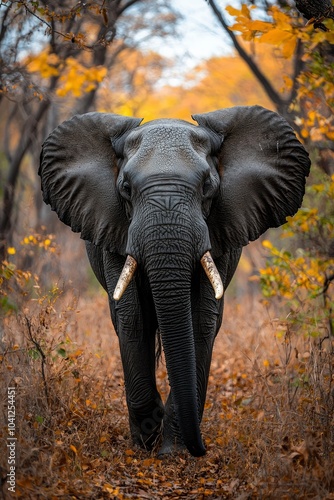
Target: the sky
(201, 37)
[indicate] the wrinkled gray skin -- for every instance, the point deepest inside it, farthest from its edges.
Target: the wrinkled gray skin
(165, 193)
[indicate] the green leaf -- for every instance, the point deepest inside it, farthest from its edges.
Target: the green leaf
(62, 352)
(34, 354)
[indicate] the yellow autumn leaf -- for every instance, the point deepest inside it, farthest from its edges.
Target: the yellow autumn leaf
(299, 261)
(89, 87)
(233, 11)
(304, 227)
(282, 20)
(61, 92)
(96, 74)
(11, 251)
(267, 244)
(77, 79)
(129, 452)
(254, 277)
(289, 47)
(260, 26)
(287, 234)
(44, 63)
(312, 115)
(107, 487)
(245, 10)
(276, 36)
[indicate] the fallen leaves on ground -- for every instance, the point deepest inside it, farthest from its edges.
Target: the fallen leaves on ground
(267, 432)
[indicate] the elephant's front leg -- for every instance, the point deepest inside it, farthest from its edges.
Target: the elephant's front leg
(136, 330)
(143, 400)
(207, 320)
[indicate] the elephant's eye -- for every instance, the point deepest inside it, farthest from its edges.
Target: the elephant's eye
(126, 190)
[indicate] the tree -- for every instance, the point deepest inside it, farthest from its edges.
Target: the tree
(301, 274)
(71, 49)
(131, 83)
(308, 100)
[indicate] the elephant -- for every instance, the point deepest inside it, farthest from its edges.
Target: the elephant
(165, 208)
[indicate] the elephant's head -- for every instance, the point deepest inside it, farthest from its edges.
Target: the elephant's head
(167, 192)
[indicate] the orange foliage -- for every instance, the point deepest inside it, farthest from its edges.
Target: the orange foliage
(280, 33)
(74, 77)
(215, 83)
(315, 81)
(130, 82)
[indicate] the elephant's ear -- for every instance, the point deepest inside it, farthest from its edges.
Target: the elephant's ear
(78, 170)
(263, 170)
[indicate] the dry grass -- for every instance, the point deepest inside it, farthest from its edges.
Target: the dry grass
(268, 423)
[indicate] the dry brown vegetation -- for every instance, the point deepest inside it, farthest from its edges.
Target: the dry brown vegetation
(268, 423)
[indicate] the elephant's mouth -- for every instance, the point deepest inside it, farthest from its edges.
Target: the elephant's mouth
(207, 262)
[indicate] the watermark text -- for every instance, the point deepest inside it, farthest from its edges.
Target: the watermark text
(11, 439)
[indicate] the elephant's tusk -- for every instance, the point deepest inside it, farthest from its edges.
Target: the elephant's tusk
(126, 276)
(212, 273)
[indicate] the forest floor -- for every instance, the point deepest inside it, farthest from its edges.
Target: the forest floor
(268, 421)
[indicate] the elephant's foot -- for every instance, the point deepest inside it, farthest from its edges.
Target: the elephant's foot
(171, 447)
(146, 430)
(146, 442)
(172, 442)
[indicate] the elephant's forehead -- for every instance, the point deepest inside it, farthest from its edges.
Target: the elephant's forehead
(167, 148)
(163, 136)
(167, 135)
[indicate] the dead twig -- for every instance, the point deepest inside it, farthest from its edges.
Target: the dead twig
(43, 358)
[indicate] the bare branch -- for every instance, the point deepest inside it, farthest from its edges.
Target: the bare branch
(276, 98)
(126, 6)
(41, 353)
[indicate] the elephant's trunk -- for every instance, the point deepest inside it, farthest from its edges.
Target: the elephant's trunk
(170, 280)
